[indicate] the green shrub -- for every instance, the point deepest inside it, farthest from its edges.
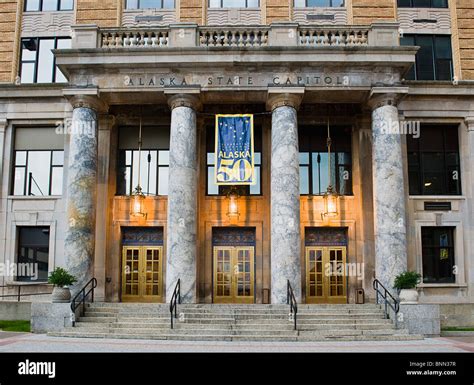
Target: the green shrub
(407, 280)
(60, 277)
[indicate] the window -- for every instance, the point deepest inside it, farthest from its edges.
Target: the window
(433, 161)
(142, 4)
(438, 254)
(49, 5)
(212, 188)
(154, 167)
(33, 254)
(423, 3)
(234, 3)
(318, 3)
(38, 164)
(38, 64)
(314, 175)
(433, 59)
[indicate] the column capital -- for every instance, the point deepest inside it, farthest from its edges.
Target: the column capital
(284, 96)
(469, 121)
(184, 99)
(86, 98)
(386, 96)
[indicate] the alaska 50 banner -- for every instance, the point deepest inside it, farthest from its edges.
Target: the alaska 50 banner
(234, 150)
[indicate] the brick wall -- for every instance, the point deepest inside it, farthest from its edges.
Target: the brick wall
(367, 11)
(465, 16)
(190, 11)
(101, 12)
(7, 42)
(277, 10)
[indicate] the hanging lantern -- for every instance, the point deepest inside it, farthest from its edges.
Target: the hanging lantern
(138, 198)
(138, 203)
(330, 197)
(233, 208)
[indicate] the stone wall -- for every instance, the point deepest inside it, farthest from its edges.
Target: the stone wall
(8, 10)
(104, 13)
(191, 11)
(369, 11)
(277, 10)
(457, 315)
(15, 311)
(465, 15)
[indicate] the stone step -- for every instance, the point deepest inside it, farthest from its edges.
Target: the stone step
(373, 326)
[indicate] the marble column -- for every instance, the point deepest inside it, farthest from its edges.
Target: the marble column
(285, 197)
(182, 198)
(388, 191)
(81, 187)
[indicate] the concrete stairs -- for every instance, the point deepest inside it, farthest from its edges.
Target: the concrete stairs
(204, 322)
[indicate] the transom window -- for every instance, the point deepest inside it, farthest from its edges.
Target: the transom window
(214, 189)
(433, 161)
(49, 5)
(318, 3)
(314, 174)
(434, 59)
(38, 164)
(38, 64)
(423, 3)
(234, 3)
(143, 4)
(33, 253)
(438, 254)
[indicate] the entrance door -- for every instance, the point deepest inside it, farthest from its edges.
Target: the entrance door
(326, 274)
(233, 274)
(142, 274)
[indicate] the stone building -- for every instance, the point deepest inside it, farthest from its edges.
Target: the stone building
(390, 81)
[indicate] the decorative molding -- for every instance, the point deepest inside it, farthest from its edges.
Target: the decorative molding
(234, 16)
(88, 101)
(340, 16)
(47, 23)
(440, 20)
(129, 17)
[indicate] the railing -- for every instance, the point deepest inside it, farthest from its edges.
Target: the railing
(389, 300)
(317, 36)
(19, 294)
(175, 299)
(233, 37)
(131, 38)
(82, 295)
(291, 300)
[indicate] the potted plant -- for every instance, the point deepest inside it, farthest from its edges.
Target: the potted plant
(61, 280)
(406, 284)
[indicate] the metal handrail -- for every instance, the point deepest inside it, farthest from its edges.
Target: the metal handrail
(19, 294)
(175, 299)
(387, 296)
(291, 300)
(82, 292)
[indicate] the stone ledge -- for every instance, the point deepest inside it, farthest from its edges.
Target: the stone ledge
(48, 317)
(420, 319)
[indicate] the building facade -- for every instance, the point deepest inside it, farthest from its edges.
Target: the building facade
(390, 82)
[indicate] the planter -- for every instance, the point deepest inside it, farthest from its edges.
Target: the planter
(408, 296)
(61, 295)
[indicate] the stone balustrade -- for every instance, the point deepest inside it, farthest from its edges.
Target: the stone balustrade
(316, 37)
(233, 37)
(286, 34)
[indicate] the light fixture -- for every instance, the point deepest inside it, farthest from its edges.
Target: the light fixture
(233, 208)
(330, 197)
(138, 198)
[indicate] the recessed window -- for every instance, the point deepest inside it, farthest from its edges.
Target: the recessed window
(33, 254)
(38, 64)
(49, 5)
(438, 254)
(433, 161)
(38, 164)
(144, 4)
(314, 171)
(423, 3)
(318, 3)
(434, 58)
(234, 3)
(212, 187)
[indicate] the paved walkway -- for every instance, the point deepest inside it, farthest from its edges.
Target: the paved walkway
(21, 342)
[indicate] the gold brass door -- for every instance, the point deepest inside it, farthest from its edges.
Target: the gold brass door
(142, 274)
(233, 274)
(326, 275)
